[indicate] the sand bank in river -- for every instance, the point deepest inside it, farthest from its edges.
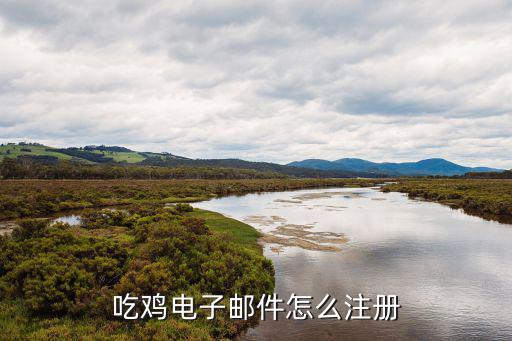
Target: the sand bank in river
(263, 220)
(302, 243)
(326, 195)
(302, 236)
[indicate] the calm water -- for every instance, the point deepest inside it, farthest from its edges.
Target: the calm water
(452, 272)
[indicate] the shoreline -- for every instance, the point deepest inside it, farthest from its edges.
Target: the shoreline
(489, 199)
(40, 198)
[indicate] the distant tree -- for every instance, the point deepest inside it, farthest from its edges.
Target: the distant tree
(9, 169)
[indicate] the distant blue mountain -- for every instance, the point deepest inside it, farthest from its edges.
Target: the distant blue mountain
(423, 167)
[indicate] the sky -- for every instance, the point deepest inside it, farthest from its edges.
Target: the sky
(262, 80)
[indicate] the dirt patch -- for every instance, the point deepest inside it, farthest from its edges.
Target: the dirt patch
(258, 219)
(278, 219)
(302, 236)
(319, 237)
(304, 244)
(6, 227)
(263, 220)
(297, 235)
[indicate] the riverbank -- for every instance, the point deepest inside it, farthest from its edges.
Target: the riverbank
(41, 198)
(414, 249)
(490, 199)
(157, 253)
(57, 281)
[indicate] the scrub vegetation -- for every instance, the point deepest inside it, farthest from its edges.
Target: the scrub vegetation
(40, 198)
(487, 198)
(58, 281)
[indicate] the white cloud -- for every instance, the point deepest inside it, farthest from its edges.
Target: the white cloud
(265, 80)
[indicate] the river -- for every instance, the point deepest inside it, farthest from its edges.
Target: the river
(452, 272)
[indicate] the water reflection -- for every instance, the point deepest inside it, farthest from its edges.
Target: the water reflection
(451, 271)
(71, 219)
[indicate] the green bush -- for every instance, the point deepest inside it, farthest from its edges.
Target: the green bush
(182, 208)
(55, 270)
(29, 228)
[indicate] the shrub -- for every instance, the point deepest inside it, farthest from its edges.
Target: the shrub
(182, 208)
(73, 272)
(29, 228)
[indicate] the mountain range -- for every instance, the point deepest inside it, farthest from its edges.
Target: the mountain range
(94, 154)
(435, 166)
(347, 167)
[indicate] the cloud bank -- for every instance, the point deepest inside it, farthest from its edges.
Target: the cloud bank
(262, 80)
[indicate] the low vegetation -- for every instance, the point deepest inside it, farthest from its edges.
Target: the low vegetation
(14, 150)
(487, 198)
(58, 281)
(39, 198)
(88, 154)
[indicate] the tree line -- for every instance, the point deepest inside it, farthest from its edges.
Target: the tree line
(48, 167)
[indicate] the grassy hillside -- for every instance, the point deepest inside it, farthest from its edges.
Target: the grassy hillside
(129, 157)
(117, 154)
(14, 151)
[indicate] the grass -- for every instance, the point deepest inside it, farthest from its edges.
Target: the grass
(15, 151)
(129, 157)
(237, 231)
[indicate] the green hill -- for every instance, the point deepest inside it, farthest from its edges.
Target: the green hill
(118, 156)
(14, 150)
(87, 154)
